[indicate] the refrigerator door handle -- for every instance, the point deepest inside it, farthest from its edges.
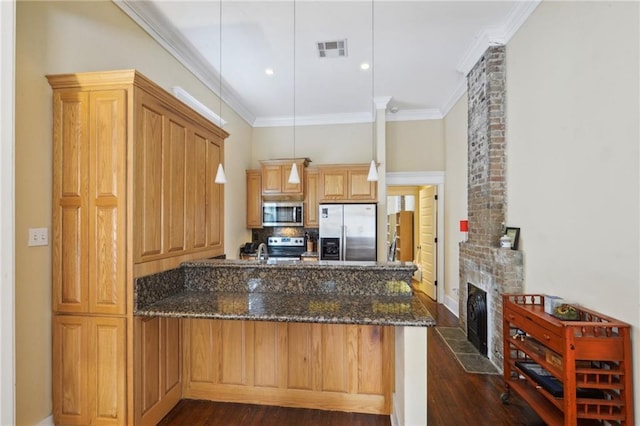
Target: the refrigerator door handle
(343, 243)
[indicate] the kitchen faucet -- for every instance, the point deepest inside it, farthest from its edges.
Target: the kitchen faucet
(262, 253)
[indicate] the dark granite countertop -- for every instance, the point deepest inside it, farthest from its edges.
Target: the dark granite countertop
(328, 309)
(321, 292)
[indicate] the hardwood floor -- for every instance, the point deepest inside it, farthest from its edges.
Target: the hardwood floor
(454, 398)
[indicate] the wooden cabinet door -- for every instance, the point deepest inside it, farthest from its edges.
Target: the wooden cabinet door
(311, 204)
(148, 177)
(107, 197)
(89, 374)
(214, 205)
(174, 172)
(89, 193)
(158, 368)
(359, 188)
(333, 183)
(70, 230)
(346, 183)
(275, 179)
(70, 369)
(197, 192)
(271, 179)
(254, 199)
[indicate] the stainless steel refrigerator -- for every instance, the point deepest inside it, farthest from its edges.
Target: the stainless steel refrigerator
(347, 232)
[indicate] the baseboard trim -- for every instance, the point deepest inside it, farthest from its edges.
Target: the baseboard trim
(48, 421)
(394, 415)
(451, 304)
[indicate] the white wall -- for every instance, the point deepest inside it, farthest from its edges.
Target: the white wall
(60, 37)
(415, 146)
(455, 200)
(330, 144)
(411, 145)
(573, 169)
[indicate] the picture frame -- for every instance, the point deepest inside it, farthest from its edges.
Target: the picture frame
(514, 236)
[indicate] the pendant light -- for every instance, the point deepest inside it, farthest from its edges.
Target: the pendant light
(294, 177)
(220, 176)
(373, 168)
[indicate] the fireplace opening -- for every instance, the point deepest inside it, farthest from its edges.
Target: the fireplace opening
(477, 317)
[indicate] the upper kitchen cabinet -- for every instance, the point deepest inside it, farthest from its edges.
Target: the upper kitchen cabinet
(254, 198)
(275, 180)
(178, 207)
(346, 183)
(311, 205)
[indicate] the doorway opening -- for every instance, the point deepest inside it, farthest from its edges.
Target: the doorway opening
(421, 194)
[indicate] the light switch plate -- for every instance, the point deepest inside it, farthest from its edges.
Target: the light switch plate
(38, 237)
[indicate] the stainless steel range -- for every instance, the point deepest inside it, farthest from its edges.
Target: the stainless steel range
(290, 248)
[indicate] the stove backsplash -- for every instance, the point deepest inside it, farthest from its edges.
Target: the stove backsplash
(261, 235)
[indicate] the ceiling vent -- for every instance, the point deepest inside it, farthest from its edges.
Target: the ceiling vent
(332, 49)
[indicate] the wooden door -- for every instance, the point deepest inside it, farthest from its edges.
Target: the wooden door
(148, 178)
(333, 182)
(427, 240)
(107, 197)
(70, 369)
(196, 223)
(215, 197)
(107, 370)
(174, 172)
(311, 205)
(254, 199)
(158, 368)
(359, 188)
(89, 358)
(70, 233)
(271, 179)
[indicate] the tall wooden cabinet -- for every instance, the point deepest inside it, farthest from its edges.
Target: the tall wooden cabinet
(133, 194)
(311, 205)
(254, 198)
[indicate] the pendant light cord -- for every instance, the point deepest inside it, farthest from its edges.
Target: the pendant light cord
(294, 80)
(373, 103)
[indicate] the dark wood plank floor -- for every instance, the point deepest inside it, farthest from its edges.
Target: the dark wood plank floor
(454, 398)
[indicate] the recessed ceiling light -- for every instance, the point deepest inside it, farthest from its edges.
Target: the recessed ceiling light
(364, 66)
(269, 71)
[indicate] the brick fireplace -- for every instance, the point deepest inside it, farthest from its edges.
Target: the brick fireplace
(482, 263)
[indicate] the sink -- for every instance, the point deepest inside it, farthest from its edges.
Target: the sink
(280, 261)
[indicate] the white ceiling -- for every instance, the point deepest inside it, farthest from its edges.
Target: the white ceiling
(420, 52)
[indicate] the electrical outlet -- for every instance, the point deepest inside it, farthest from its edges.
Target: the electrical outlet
(38, 237)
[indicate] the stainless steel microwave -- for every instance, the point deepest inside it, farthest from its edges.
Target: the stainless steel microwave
(282, 213)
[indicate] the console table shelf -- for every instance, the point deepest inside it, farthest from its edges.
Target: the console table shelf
(570, 372)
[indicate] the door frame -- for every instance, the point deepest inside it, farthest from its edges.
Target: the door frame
(7, 224)
(422, 179)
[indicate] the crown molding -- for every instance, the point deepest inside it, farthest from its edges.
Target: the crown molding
(313, 120)
(459, 92)
(414, 115)
(415, 178)
(155, 24)
(194, 103)
(496, 35)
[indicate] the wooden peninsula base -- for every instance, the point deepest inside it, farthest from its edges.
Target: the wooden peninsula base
(347, 352)
(354, 368)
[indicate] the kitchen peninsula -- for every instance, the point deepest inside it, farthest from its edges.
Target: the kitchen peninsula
(321, 335)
